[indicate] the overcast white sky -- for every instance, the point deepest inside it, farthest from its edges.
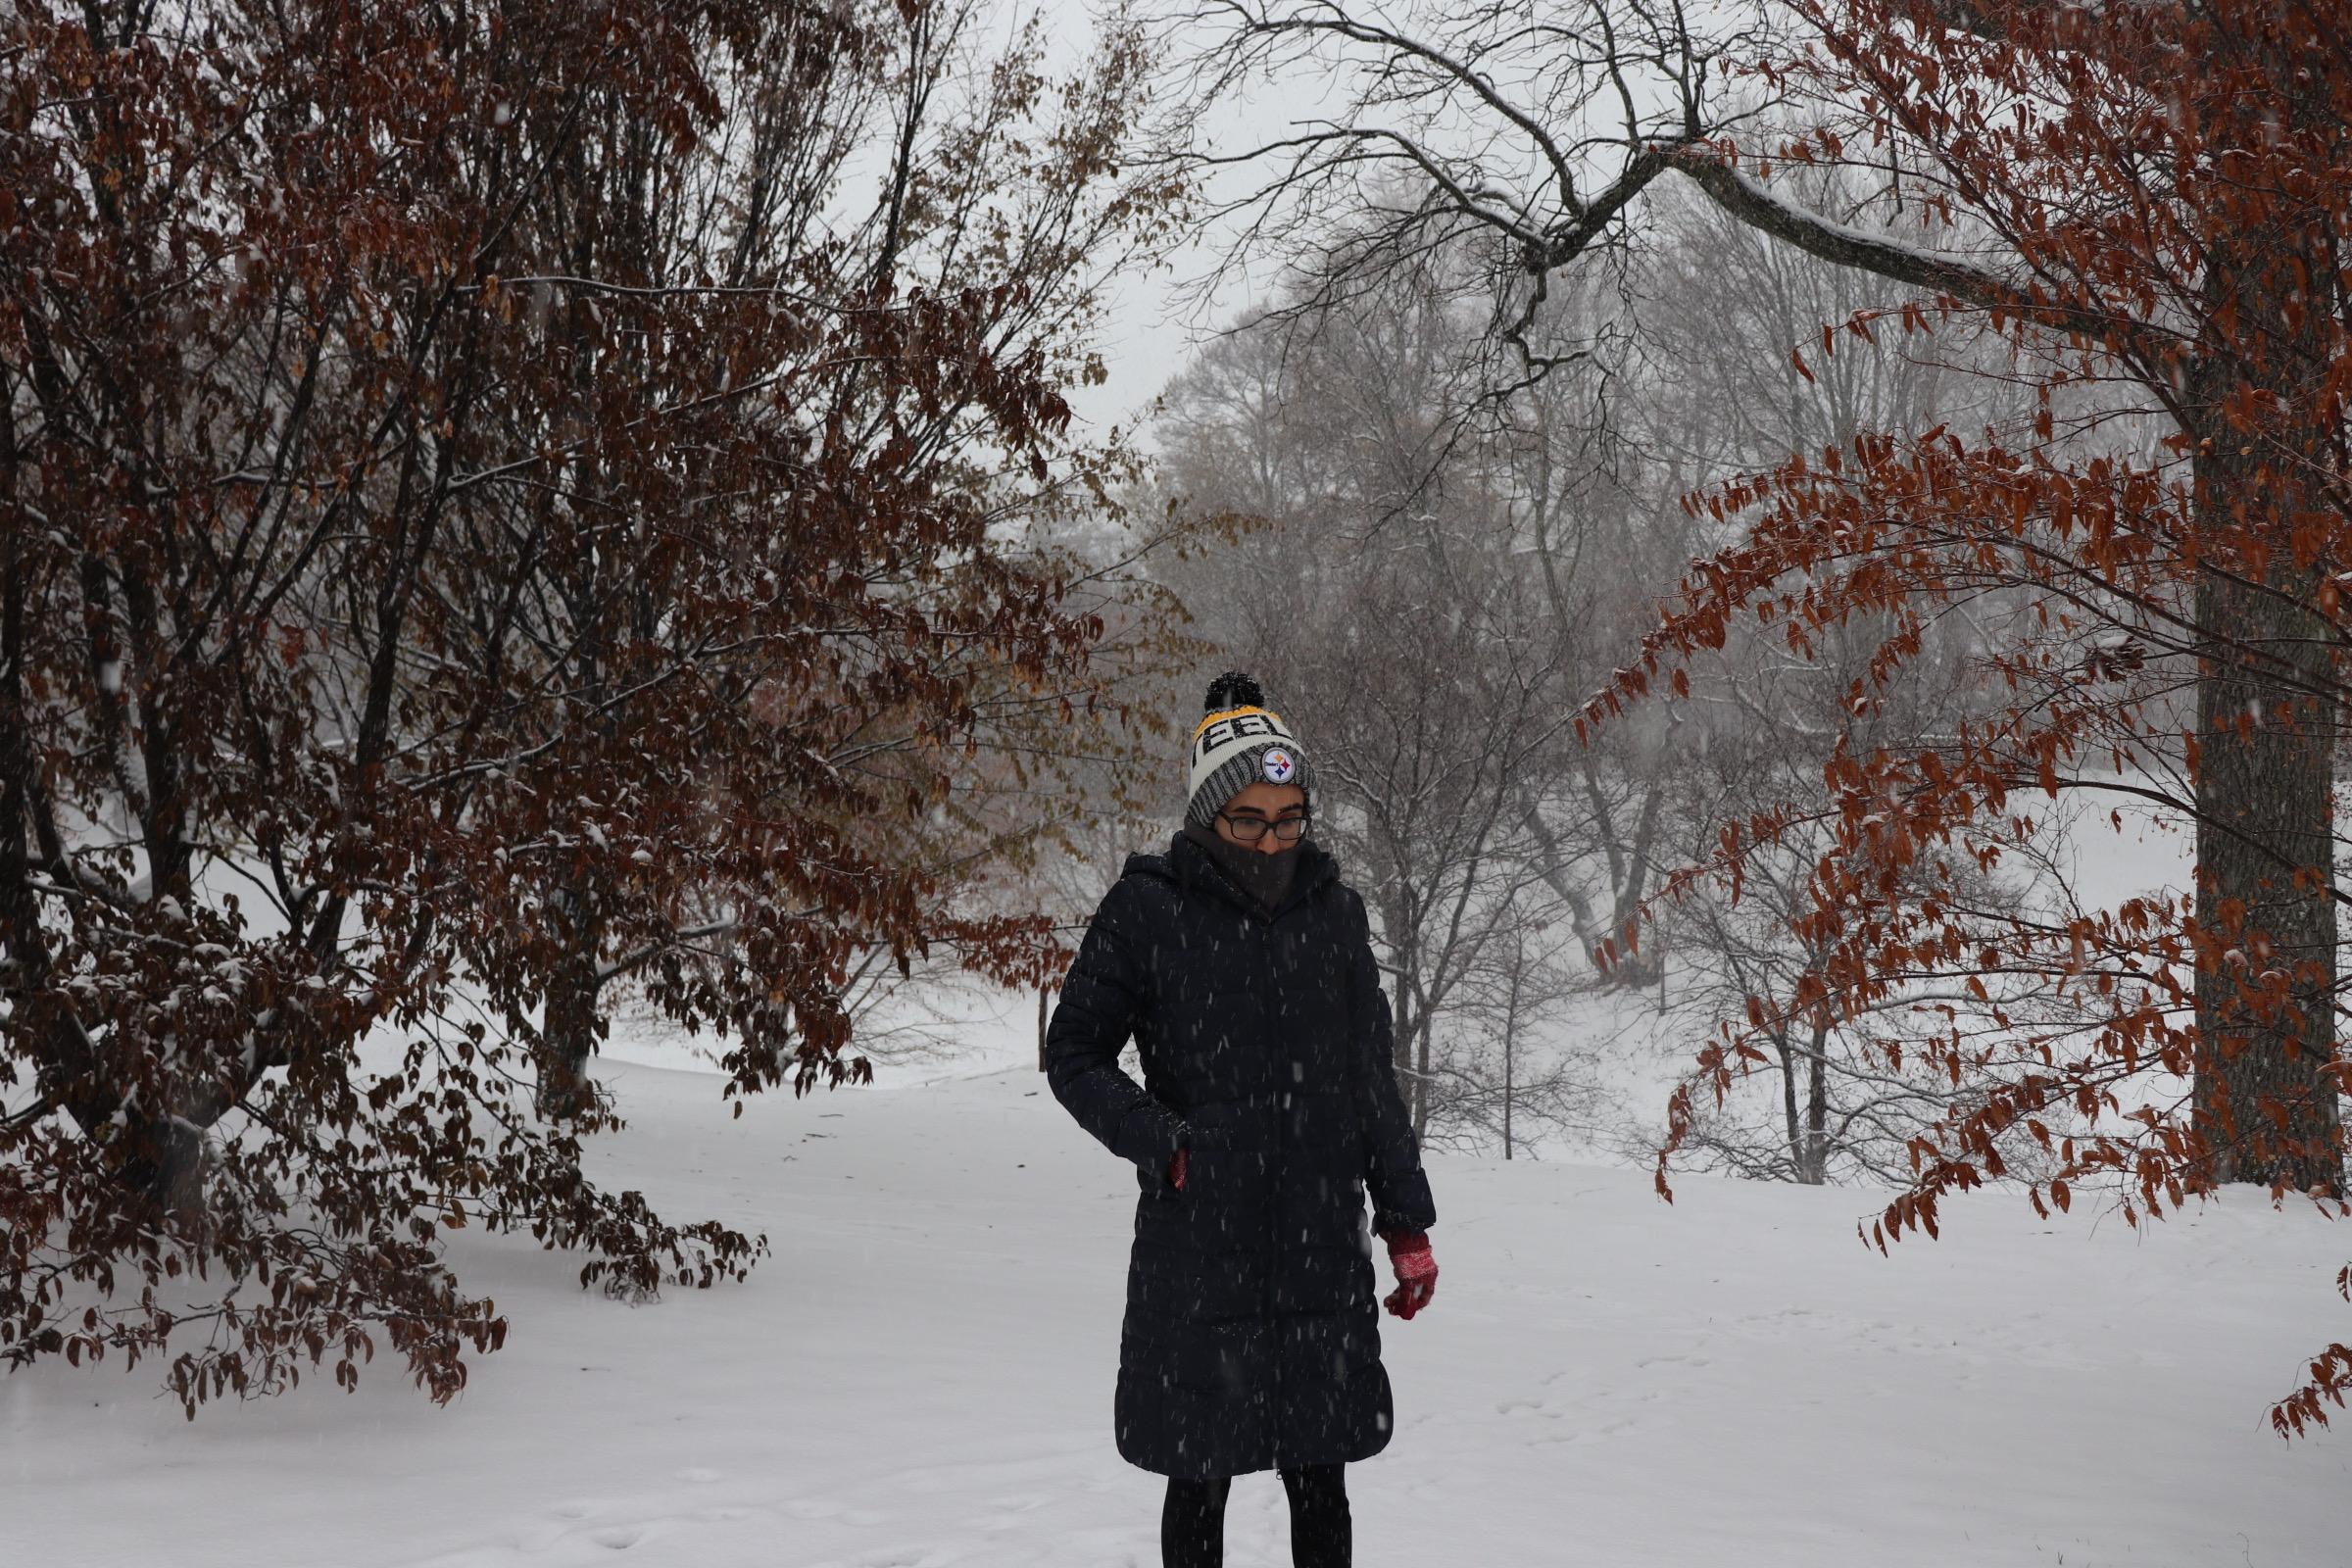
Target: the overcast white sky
(1152, 329)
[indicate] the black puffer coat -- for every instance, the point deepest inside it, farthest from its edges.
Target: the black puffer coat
(1253, 1333)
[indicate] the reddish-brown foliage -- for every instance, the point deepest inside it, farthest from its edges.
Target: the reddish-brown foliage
(2150, 202)
(477, 526)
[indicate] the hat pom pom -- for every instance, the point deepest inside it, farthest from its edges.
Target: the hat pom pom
(1232, 689)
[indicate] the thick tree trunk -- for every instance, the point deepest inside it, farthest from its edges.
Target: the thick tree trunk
(166, 1168)
(570, 1026)
(568, 1039)
(2267, 687)
(2265, 782)
(67, 1062)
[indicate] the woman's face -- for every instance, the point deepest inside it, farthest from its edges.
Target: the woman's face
(1266, 802)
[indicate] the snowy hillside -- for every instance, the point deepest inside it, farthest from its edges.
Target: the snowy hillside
(921, 1376)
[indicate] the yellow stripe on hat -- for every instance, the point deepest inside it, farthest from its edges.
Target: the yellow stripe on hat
(1233, 713)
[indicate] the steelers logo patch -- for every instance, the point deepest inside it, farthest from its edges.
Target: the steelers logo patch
(1281, 767)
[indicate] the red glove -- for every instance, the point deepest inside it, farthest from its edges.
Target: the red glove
(1416, 1273)
(1176, 1168)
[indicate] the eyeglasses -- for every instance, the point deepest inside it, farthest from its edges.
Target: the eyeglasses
(1250, 829)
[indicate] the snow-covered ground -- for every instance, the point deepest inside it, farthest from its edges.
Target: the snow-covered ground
(922, 1375)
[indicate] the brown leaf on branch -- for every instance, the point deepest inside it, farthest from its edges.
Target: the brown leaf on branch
(485, 525)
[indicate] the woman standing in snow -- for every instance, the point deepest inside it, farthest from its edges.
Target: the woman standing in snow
(1241, 967)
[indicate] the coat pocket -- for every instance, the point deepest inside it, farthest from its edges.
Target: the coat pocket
(1154, 1183)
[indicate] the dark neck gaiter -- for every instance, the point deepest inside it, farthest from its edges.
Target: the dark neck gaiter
(1266, 878)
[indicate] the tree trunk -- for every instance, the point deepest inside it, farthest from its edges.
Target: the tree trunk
(1789, 1121)
(1421, 1086)
(1510, 1052)
(1808, 1127)
(2265, 782)
(2267, 682)
(1629, 878)
(1816, 1171)
(570, 1026)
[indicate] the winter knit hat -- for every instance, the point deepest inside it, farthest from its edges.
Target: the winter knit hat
(1240, 743)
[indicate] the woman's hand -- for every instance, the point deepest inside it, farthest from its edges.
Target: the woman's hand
(1176, 1168)
(1416, 1273)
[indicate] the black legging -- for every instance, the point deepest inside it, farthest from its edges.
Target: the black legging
(1191, 1525)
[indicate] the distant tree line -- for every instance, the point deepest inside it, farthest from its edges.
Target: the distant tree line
(1445, 576)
